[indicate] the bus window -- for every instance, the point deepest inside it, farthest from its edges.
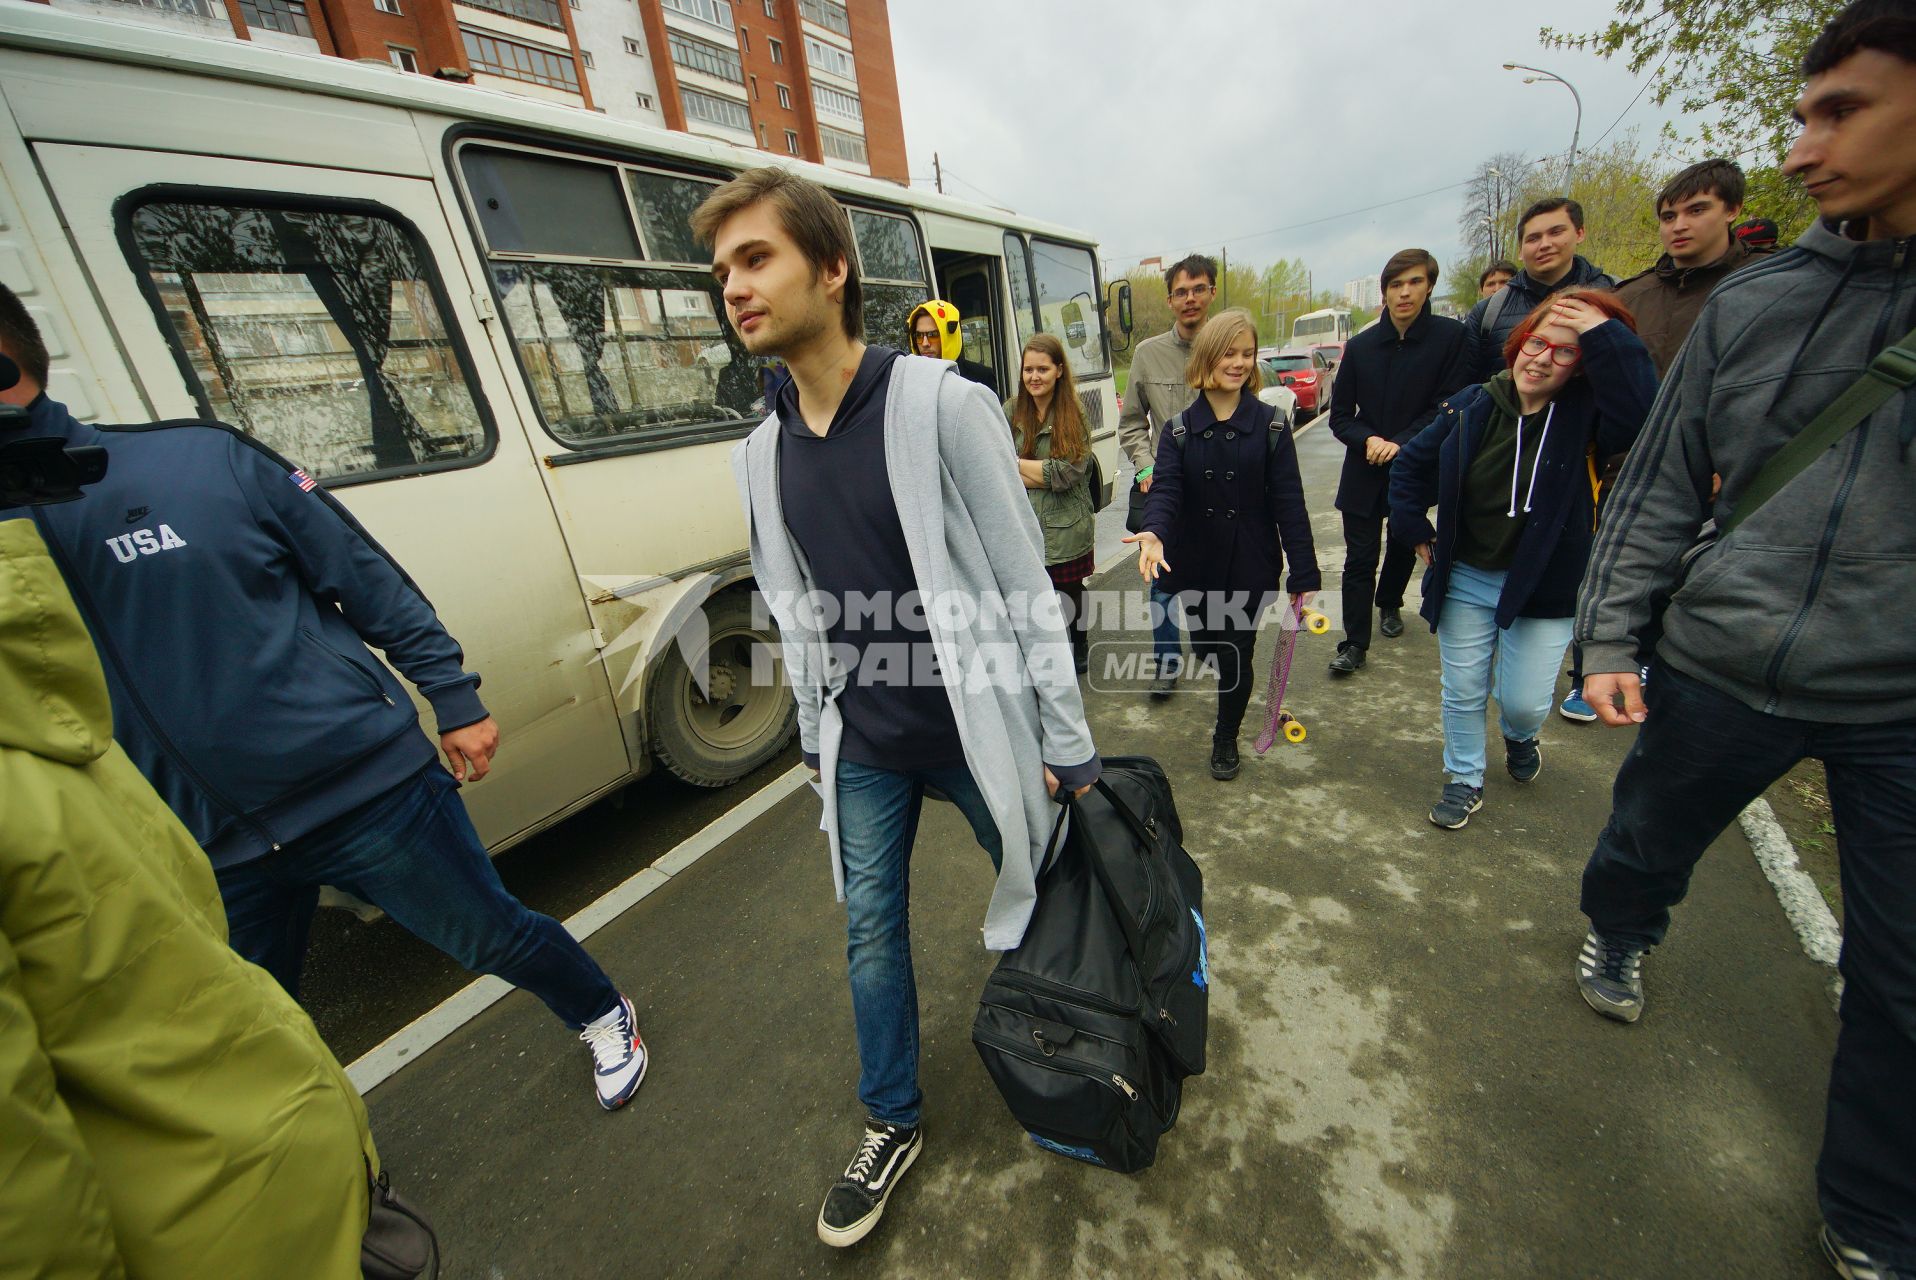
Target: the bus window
(1068, 304)
(613, 351)
(970, 287)
(1018, 268)
(891, 274)
(316, 330)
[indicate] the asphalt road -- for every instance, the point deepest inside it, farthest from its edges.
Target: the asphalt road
(1403, 1081)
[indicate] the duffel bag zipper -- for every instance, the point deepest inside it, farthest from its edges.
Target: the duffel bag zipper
(1036, 1034)
(1060, 1062)
(1057, 990)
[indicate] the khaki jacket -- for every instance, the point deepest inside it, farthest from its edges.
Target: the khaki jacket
(1063, 506)
(1156, 391)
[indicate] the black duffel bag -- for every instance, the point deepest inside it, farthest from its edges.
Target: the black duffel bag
(1091, 1024)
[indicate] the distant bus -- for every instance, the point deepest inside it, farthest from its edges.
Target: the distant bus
(1333, 324)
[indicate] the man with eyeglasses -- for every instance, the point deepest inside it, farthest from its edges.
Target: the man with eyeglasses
(1158, 390)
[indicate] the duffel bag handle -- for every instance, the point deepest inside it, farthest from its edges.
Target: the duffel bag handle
(1067, 805)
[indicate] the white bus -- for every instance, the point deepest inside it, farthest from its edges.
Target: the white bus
(1333, 324)
(483, 323)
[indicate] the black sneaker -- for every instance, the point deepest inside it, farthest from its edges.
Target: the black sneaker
(1458, 802)
(1610, 977)
(1223, 758)
(857, 1200)
(1852, 1263)
(1523, 759)
(1390, 622)
(1163, 687)
(1348, 660)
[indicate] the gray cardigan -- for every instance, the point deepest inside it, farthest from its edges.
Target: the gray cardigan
(1002, 647)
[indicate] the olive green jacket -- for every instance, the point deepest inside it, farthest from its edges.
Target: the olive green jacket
(1063, 506)
(166, 1110)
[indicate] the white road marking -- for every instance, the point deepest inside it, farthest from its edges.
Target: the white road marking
(1803, 902)
(383, 1060)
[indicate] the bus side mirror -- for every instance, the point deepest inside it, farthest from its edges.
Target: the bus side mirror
(1124, 307)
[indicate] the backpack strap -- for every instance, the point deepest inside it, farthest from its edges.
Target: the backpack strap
(1893, 370)
(1495, 309)
(1176, 427)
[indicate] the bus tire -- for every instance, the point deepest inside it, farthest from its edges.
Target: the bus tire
(713, 741)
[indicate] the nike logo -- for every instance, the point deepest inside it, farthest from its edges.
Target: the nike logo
(136, 513)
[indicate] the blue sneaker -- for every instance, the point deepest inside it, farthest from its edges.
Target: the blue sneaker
(1459, 801)
(1523, 759)
(1575, 708)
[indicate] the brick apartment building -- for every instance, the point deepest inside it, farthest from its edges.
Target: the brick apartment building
(807, 78)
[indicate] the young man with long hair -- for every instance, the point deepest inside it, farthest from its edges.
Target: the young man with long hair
(893, 543)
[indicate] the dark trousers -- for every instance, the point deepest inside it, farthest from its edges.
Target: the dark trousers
(1071, 600)
(411, 852)
(1699, 758)
(1364, 586)
(1231, 646)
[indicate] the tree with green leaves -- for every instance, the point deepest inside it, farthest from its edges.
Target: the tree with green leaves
(1731, 66)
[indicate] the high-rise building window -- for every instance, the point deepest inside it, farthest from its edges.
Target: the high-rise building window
(517, 61)
(837, 102)
(697, 55)
(404, 59)
(544, 13)
(791, 138)
(288, 16)
(632, 46)
(585, 56)
(716, 110)
(841, 145)
(388, 6)
(771, 8)
(192, 8)
(778, 50)
(830, 16)
(755, 93)
(829, 57)
(644, 100)
(744, 40)
(785, 97)
(716, 12)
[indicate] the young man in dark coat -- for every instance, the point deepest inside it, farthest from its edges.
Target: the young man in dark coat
(1392, 383)
(1547, 238)
(1695, 213)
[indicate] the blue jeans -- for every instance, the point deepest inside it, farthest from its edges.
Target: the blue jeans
(1699, 758)
(1166, 637)
(1524, 659)
(412, 853)
(877, 822)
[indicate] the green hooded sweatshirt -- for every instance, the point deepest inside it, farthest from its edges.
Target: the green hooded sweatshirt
(166, 1110)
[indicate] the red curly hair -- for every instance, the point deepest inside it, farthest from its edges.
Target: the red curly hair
(1602, 299)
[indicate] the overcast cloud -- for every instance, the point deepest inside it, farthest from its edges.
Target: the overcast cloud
(1167, 126)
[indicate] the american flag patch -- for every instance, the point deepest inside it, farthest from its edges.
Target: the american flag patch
(305, 482)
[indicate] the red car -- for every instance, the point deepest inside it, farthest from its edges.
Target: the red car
(1307, 374)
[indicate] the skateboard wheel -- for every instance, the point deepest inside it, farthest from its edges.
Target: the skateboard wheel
(1316, 623)
(1294, 732)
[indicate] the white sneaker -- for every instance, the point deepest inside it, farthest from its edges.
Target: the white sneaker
(619, 1055)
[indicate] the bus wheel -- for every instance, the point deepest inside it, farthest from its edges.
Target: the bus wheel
(714, 737)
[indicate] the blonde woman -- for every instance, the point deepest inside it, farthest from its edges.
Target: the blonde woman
(1226, 507)
(1054, 453)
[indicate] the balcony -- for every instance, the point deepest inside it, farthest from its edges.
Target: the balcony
(543, 13)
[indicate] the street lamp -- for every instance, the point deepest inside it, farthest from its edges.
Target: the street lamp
(1575, 132)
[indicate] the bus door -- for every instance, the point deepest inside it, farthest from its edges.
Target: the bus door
(972, 283)
(327, 313)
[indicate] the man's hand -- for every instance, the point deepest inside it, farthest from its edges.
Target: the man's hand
(1602, 692)
(1424, 552)
(1150, 555)
(1051, 784)
(1378, 451)
(469, 750)
(1144, 484)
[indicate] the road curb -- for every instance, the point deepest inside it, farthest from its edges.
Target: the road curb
(1802, 901)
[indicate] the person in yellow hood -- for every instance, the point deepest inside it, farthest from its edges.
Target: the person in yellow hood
(166, 1110)
(933, 329)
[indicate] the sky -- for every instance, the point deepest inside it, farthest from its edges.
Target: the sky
(1160, 127)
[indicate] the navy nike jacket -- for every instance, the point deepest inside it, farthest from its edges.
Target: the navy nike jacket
(232, 601)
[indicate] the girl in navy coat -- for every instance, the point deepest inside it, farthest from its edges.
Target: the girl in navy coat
(1227, 507)
(1507, 466)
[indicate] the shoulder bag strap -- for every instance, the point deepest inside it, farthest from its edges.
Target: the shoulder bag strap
(1893, 370)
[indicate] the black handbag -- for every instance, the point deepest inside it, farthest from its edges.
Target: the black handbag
(399, 1243)
(1134, 512)
(1090, 1025)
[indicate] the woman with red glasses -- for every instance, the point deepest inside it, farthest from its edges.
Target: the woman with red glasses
(1505, 466)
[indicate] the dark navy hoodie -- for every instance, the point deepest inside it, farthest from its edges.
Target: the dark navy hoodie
(232, 601)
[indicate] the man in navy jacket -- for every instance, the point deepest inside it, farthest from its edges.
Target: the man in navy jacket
(1392, 383)
(232, 601)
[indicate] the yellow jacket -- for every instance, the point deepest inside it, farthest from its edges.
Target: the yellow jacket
(166, 1110)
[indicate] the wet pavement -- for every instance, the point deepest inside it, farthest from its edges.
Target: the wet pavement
(1403, 1081)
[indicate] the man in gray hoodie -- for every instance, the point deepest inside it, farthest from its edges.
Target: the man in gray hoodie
(1788, 637)
(892, 540)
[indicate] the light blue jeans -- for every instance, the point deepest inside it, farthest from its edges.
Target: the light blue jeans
(1524, 658)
